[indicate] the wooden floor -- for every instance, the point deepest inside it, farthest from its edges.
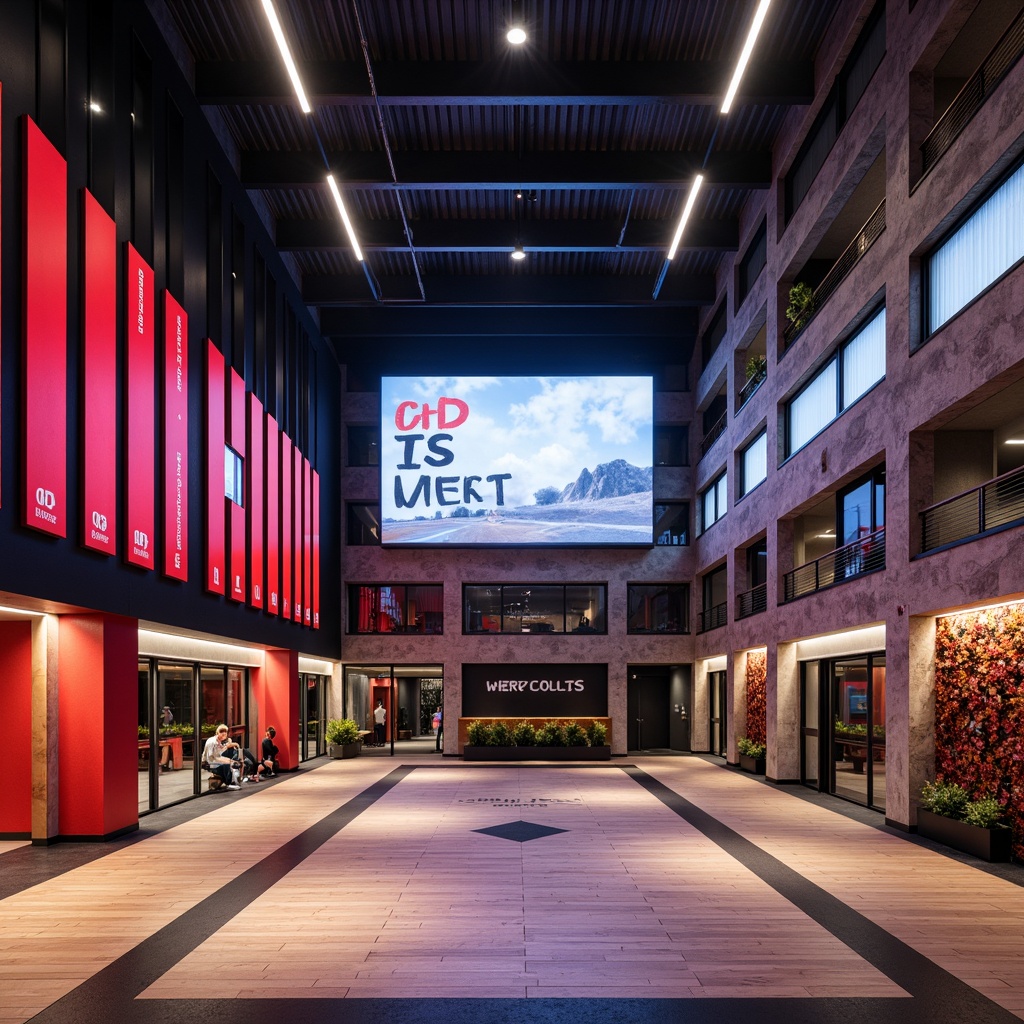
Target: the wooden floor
(371, 881)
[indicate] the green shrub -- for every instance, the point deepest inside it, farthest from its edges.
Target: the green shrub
(478, 733)
(143, 732)
(597, 734)
(801, 304)
(524, 735)
(551, 734)
(575, 735)
(985, 813)
(750, 749)
(341, 731)
(501, 735)
(945, 798)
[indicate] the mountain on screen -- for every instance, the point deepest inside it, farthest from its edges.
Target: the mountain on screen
(609, 480)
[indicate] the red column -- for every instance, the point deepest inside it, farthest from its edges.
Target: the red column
(16, 700)
(280, 708)
(98, 722)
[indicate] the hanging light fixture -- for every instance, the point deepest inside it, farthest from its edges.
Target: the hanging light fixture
(516, 33)
(286, 56)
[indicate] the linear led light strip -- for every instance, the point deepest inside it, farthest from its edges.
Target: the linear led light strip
(741, 66)
(293, 74)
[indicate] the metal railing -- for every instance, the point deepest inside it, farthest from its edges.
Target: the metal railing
(752, 602)
(713, 434)
(852, 255)
(992, 70)
(752, 384)
(712, 618)
(839, 566)
(992, 506)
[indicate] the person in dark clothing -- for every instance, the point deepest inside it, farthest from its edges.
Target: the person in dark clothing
(268, 754)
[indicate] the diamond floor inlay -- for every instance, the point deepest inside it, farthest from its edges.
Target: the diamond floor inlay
(520, 831)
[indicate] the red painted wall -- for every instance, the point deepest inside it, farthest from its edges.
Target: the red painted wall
(16, 701)
(281, 703)
(98, 710)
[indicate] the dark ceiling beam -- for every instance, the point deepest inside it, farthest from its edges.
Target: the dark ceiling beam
(361, 327)
(503, 83)
(512, 289)
(499, 171)
(500, 235)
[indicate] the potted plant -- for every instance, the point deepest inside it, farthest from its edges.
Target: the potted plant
(756, 368)
(520, 741)
(948, 815)
(343, 738)
(801, 304)
(752, 756)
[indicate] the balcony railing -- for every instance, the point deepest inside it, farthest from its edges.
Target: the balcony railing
(713, 434)
(992, 506)
(748, 389)
(969, 99)
(852, 255)
(752, 602)
(712, 618)
(839, 566)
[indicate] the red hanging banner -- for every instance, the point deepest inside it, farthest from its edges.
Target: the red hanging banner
(175, 454)
(44, 337)
(140, 410)
(307, 543)
(272, 499)
(214, 469)
(99, 377)
(236, 499)
(297, 520)
(254, 499)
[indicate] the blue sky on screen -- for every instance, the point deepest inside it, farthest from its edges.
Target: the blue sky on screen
(542, 430)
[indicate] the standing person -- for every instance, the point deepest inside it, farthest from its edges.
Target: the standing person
(379, 717)
(217, 756)
(438, 728)
(268, 754)
(166, 719)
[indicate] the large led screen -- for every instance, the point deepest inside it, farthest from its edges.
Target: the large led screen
(516, 460)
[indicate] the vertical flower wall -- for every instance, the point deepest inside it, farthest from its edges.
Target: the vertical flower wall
(757, 696)
(979, 707)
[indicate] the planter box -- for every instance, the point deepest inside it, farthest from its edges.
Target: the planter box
(472, 753)
(754, 765)
(340, 750)
(991, 844)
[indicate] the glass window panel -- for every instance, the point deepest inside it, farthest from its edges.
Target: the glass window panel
(363, 445)
(483, 609)
(363, 523)
(755, 462)
(425, 609)
(145, 722)
(813, 409)
(670, 446)
(233, 464)
(672, 522)
(584, 609)
(657, 608)
(864, 360)
(989, 242)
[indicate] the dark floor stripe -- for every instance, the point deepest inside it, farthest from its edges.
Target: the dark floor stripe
(936, 992)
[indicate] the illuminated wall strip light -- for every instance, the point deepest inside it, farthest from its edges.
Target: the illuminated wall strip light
(748, 46)
(282, 45)
(344, 217)
(694, 189)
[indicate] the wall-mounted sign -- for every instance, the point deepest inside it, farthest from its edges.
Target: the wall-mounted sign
(272, 504)
(254, 494)
(215, 513)
(175, 454)
(543, 690)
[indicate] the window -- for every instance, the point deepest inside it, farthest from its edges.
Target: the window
(713, 336)
(851, 84)
(754, 463)
(658, 608)
(713, 502)
(363, 445)
(401, 608)
(714, 611)
(672, 522)
(978, 253)
(752, 263)
(362, 523)
(534, 608)
(671, 446)
(234, 485)
(855, 368)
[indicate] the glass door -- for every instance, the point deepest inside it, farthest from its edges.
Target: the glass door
(719, 715)
(858, 729)
(311, 714)
(810, 724)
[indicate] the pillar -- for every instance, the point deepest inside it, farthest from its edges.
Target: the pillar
(280, 704)
(16, 700)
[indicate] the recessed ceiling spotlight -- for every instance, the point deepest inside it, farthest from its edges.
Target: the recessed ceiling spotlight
(516, 35)
(518, 253)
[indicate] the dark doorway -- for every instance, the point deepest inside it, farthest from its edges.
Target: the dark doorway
(648, 707)
(718, 711)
